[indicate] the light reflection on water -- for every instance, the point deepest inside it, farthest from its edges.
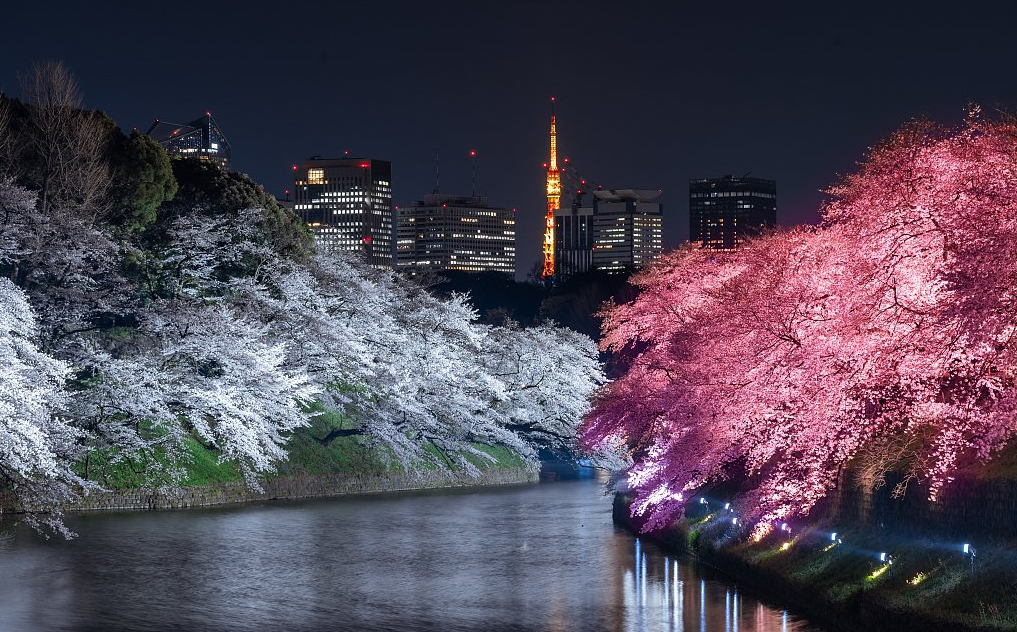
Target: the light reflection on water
(658, 586)
(537, 557)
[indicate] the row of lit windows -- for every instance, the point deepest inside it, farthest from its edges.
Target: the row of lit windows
(735, 194)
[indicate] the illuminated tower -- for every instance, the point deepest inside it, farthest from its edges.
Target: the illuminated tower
(553, 203)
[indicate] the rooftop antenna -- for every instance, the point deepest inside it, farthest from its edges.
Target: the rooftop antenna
(473, 157)
(437, 175)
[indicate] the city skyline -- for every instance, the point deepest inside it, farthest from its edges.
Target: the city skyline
(705, 93)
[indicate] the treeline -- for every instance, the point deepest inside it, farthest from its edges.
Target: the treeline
(149, 303)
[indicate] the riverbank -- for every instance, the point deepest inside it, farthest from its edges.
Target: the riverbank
(294, 487)
(314, 468)
(846, 580)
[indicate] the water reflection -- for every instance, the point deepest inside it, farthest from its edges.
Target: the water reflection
(658, 586)
(541, 557)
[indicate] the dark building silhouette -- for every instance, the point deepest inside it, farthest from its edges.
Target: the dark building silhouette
(456, 232)
(201, 139)
(573, 241)
(347, 203)
(724, 211)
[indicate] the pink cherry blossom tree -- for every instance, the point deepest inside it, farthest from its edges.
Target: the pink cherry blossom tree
(882, 339)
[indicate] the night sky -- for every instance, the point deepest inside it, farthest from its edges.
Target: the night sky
(648, 96)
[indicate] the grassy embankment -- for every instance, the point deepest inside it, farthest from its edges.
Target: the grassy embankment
(307, 456)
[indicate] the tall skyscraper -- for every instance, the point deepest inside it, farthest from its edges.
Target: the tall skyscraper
(724, 211)
(456, 232)
(621, 230)
(201, 139)
(347, 202)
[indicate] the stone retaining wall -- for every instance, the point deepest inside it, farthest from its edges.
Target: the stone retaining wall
(307, 486)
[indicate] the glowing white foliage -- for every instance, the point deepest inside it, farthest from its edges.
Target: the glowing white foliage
(35, 440)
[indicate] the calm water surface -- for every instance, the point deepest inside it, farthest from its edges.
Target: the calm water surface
(536, 557)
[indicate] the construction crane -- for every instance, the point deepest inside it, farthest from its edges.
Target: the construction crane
(576, 184)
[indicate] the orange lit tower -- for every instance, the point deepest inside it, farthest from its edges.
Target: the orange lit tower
(553, 203)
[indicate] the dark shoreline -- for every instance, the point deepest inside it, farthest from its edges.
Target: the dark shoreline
(854, 615)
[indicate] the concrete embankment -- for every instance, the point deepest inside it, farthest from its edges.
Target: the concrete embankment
(846, 586)
(293, 487)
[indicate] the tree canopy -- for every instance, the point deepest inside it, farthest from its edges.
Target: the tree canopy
(883, 339)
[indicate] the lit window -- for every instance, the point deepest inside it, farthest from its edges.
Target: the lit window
(315, 176)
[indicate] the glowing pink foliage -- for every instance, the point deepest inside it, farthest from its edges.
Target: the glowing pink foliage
(890, 324)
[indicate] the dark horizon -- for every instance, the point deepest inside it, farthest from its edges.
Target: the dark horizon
(646, 99)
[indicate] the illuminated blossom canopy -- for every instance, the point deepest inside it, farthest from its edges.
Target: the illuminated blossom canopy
(881, 340)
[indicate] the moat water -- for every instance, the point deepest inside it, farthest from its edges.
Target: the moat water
(530, 557)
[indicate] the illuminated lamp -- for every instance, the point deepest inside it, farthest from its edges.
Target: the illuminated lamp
(833, 536)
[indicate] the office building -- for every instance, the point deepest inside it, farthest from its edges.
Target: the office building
(201, 139)
(456, 232)
(622, 229)
(724, 212)
(573, 241)
(347, 203)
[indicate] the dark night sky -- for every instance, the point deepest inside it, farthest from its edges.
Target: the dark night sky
(647, 98)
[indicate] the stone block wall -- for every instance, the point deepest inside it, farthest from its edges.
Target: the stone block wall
(308, 486)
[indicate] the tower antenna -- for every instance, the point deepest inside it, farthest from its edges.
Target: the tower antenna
(473, 157)
(553, 202)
